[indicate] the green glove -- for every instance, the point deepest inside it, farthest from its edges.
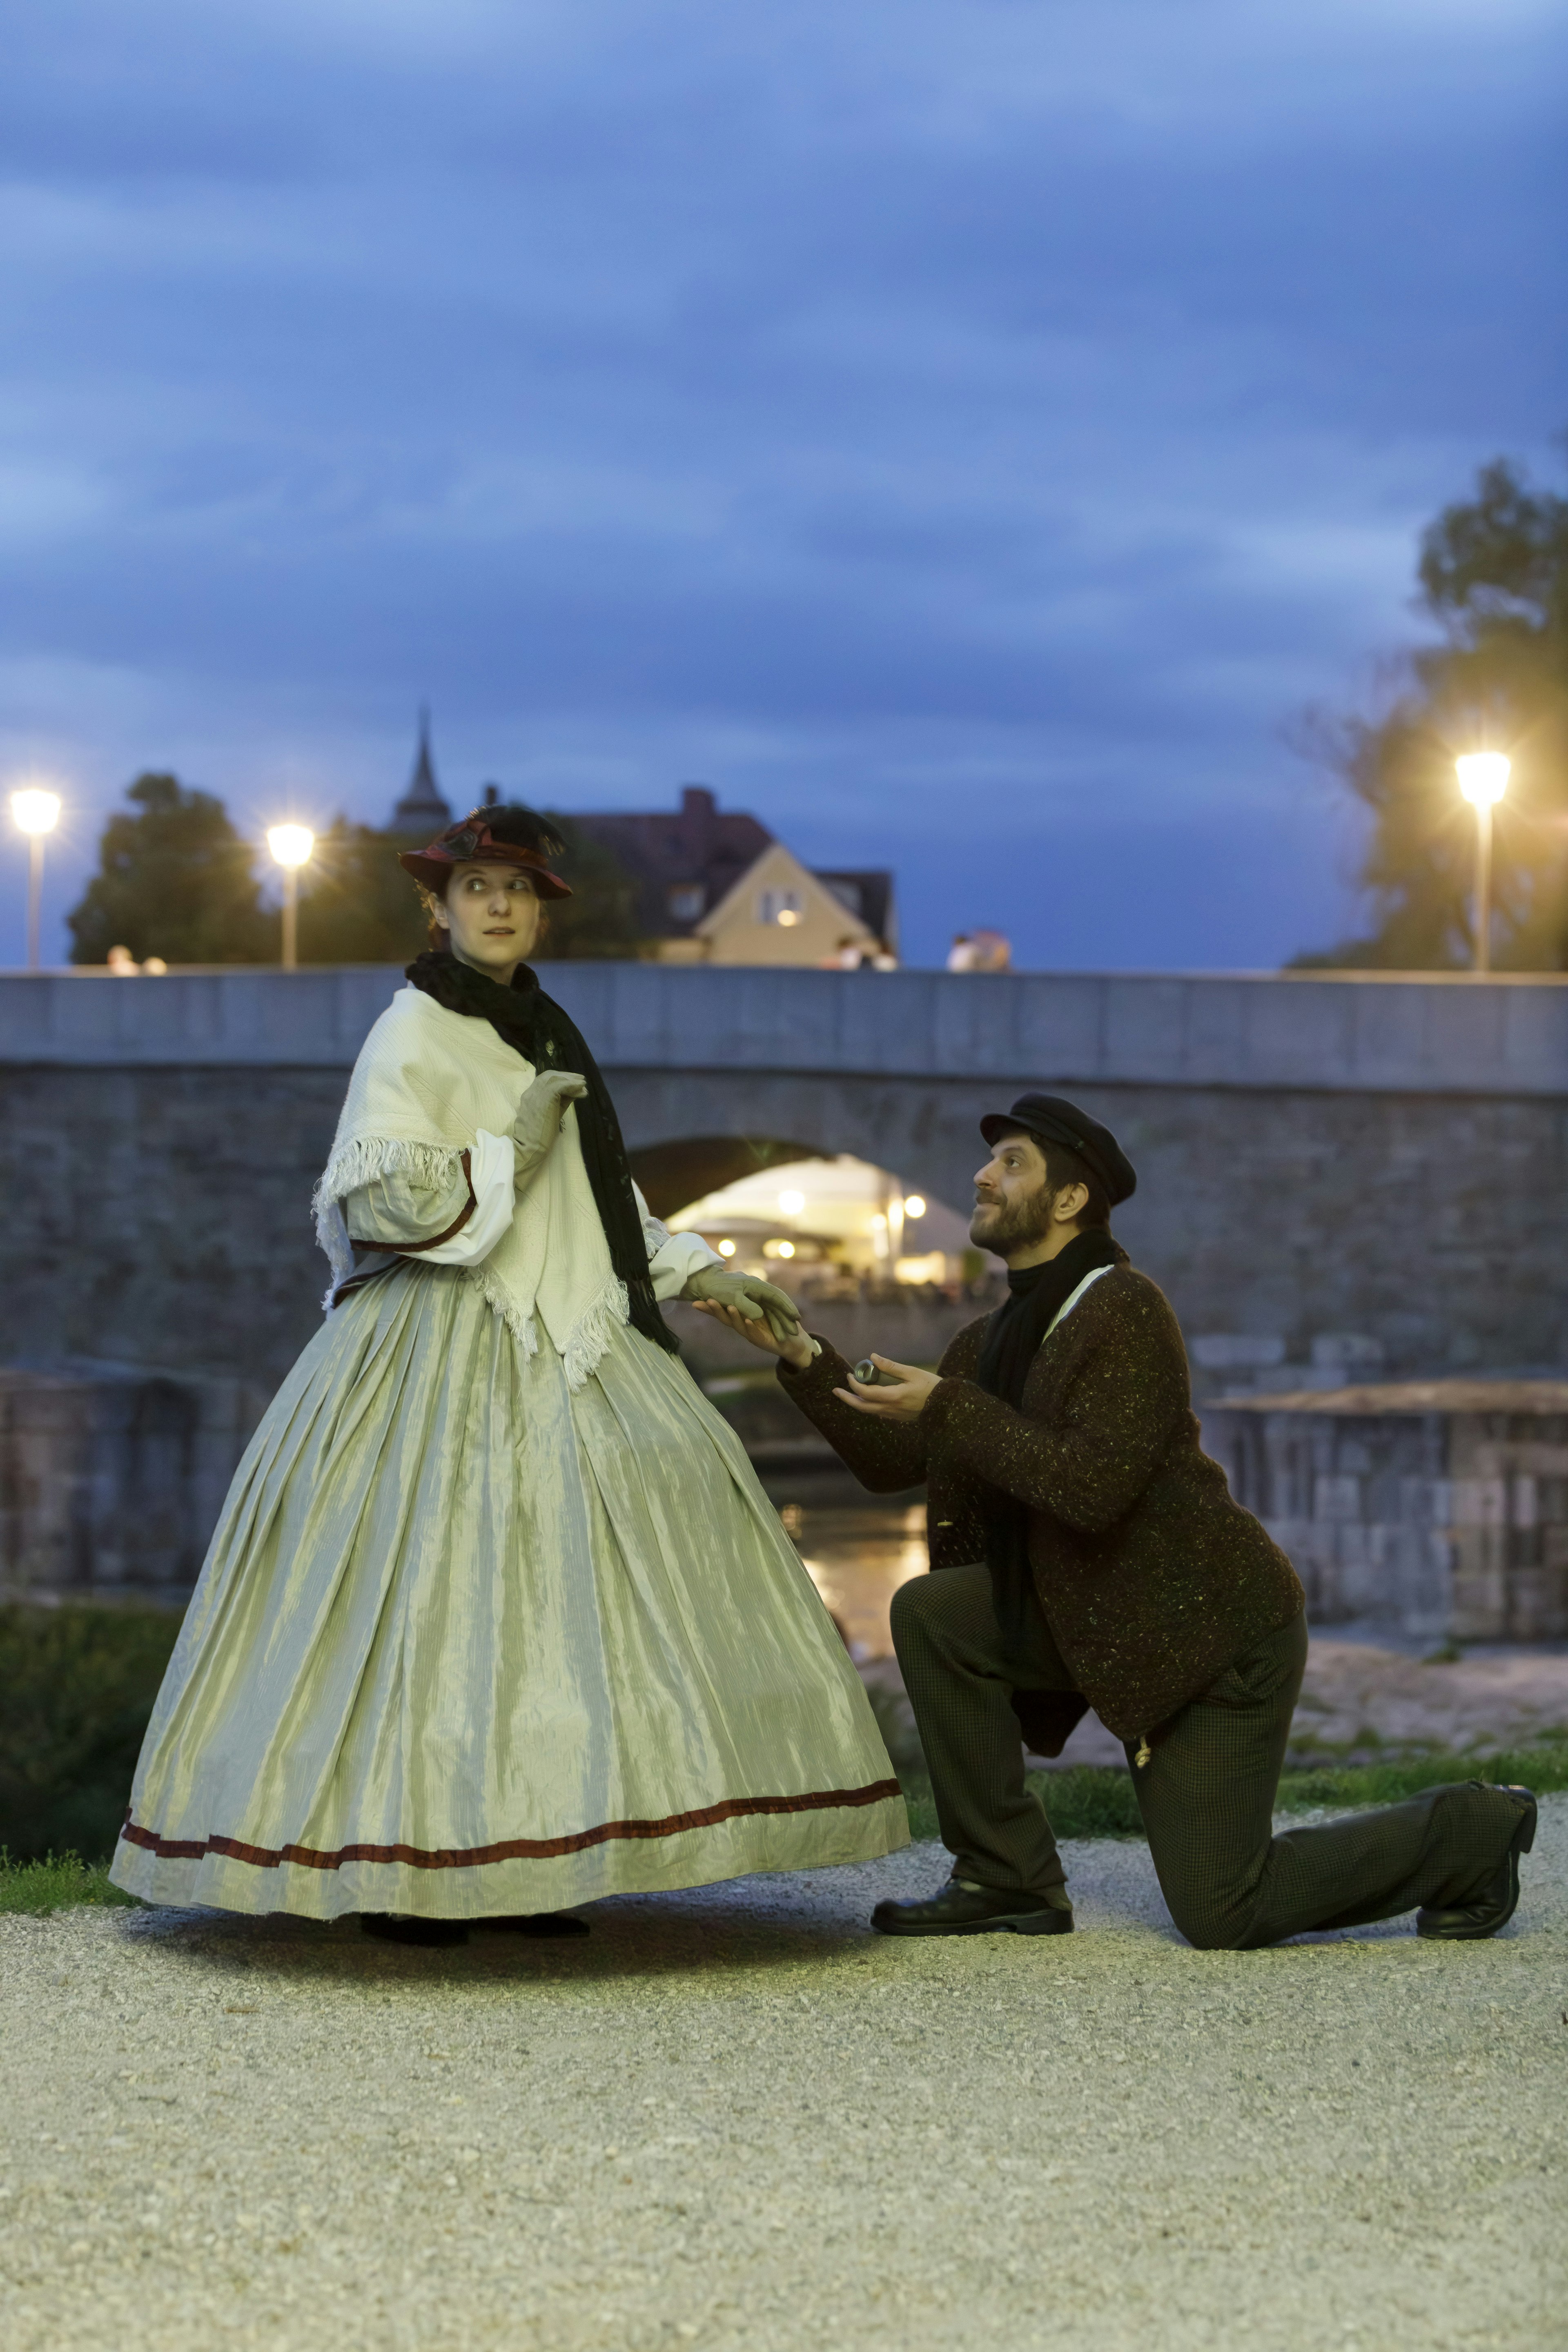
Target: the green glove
(539, 1115)
(749, 1296)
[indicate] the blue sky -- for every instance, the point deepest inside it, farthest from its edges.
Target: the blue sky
(963, 431)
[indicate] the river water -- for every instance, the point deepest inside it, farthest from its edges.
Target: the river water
(858, 1556)
(858, 1551)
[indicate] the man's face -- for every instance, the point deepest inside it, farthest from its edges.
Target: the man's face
(492, 915)
(1012, 1208)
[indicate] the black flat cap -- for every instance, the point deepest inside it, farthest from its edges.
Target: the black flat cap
(1051, 1118)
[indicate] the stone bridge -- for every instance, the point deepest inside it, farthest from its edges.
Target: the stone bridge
(1333, 1172)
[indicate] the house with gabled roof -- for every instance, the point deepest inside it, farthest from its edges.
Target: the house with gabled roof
(716, 886)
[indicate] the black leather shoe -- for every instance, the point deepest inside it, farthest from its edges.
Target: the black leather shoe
(397, 1928)
(1495, 1903)
(973, 1911)
(535, 1923)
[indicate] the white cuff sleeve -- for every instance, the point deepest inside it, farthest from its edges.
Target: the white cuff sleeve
(678, 1258)
(491, 1175)
(672, 1258)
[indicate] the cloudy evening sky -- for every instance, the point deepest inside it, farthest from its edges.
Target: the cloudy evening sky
(962, 431)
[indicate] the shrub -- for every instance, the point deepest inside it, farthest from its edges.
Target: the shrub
(77, 1686)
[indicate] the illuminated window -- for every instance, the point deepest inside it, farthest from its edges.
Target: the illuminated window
(785, 906)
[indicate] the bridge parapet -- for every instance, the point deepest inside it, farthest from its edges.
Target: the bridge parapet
(1397, 1034)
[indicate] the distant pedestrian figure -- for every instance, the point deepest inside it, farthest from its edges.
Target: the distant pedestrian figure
(993, 951)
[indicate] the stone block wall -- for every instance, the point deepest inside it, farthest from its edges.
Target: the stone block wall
(111, 1478)
(161, 1215)
(1439, 1508)
(1338, 1178)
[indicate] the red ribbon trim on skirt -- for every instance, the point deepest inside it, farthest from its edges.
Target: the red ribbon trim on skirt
(816, 1800)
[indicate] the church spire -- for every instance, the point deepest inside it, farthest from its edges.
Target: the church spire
(422, 810)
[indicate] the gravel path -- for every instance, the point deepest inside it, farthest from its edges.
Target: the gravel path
(734, 2119)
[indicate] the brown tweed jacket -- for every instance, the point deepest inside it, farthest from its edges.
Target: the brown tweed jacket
(1153, 1580)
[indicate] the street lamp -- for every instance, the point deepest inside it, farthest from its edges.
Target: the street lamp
(1483, 780)
(291, 845)
(36, 813)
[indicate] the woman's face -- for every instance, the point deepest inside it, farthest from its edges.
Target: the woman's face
(491, 917)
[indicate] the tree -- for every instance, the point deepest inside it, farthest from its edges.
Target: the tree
(600, 918)
(356, 903)
(175, 880)
(1493, 572)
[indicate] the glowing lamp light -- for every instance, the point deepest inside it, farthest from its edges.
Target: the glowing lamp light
(914, 1206)
(878, 1223)
(291, 844)
(35, 813)
(1483, 777)
(785, 1249)
(726, 1249)
(791, 1203)
(788, 918)
(1483, 780)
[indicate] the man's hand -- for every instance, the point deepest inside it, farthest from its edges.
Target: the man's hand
(906, 1401)
(756, 1300)
(797, 1350)
(540, 1115)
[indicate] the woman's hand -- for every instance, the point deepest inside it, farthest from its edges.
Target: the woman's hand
(798, 1349)
(749, 1295)
(905, 1401)
(540, 1117)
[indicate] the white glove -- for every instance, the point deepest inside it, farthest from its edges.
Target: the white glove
(541, 1115)
(749, 1296)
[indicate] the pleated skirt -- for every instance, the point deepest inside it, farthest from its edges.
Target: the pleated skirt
(467, 1644)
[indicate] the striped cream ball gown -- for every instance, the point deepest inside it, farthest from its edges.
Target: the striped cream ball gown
(497, 1618)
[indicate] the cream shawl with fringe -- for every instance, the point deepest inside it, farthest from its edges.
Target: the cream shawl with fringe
(427, 1085)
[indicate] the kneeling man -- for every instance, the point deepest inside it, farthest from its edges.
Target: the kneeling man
(1086, 1552)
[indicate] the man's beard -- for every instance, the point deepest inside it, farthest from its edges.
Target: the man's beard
(1019, 1227)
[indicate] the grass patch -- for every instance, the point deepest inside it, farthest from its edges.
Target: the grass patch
(55, 1883)
(1085, 1800)
(1541, 1769)
(1097, 1800)
(77, 1686)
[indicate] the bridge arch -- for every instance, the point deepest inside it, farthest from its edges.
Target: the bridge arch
(920, 1133)
(683, 1169)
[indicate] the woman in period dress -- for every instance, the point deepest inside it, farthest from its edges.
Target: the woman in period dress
(497, 1618)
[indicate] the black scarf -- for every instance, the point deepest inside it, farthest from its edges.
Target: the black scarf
(534, 1025)
(1013, 1341)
